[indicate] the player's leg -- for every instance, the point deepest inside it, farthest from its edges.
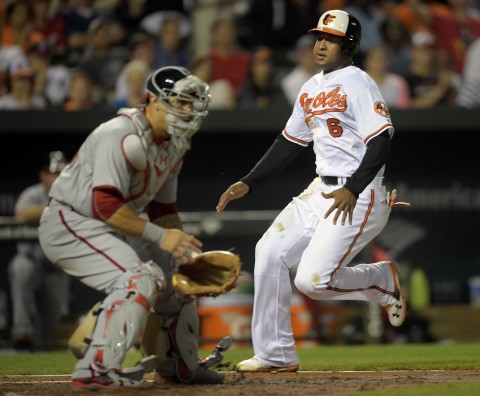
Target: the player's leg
(172, 330)
(85, 248)
(279, 249)
(323, 271)
(23, 280)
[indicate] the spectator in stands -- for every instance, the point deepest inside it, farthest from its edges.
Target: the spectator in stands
(80, 93)
(136, 73)
(454, 26)
(393, 86)
(261, 89)
(20, 87)
(141, 47)
(305, 68)
(39, 290)
(103, 62)
(221, 91)
(397, 43)
(469, 94)
(49, 26)
(77, 15)
(229, 61)
(365, 12)
(7, 55)
(430, 76)
(169, 48)
(275, 23)
(18, 27)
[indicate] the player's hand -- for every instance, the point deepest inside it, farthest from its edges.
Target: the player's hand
(235, 191)
(182, 246)
(344, 203)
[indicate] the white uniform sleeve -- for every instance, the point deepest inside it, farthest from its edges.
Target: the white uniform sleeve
(372, 115)
(296, 130)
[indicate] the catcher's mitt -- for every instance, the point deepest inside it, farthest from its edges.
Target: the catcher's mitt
(208, 274)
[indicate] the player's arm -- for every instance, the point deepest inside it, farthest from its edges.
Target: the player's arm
(110, 207)
(281, 153)
(162, 210)
(345, 198)
(376, 155)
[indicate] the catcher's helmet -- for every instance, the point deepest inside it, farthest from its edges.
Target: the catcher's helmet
(177, 82)
(341, 23)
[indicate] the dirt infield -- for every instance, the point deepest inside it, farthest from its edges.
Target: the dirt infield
(273, 384)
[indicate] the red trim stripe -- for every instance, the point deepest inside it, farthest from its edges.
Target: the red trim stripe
(89, 244)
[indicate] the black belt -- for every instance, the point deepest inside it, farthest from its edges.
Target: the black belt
(333, 180)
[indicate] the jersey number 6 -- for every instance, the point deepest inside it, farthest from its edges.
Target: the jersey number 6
(334, 128)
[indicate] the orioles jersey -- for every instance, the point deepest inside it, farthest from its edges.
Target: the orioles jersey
(339, 112)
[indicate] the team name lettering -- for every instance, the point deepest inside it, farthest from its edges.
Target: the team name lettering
(328, 102)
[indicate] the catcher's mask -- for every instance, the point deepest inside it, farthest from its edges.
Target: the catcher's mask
(343, 24)
(177, 82)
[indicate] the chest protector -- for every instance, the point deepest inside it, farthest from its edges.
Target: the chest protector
(151, 164)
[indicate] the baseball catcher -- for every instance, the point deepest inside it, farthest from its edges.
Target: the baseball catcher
(172, 329)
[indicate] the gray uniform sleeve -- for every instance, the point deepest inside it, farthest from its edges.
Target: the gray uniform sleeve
(111, 167)
(168, 192)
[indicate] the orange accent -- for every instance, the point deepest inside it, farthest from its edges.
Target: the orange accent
(333, 99)
(372, 201)
(334, 128)
(235, 320)
(314, 113)
(333, 32)
(328, 18)
(377, 132)
(381, 108)
(294, 139)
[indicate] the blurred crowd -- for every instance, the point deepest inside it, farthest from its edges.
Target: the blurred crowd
(97, 54)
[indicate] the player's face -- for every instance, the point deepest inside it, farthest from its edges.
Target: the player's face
(185, 106)
(328, 52)
(156, 113)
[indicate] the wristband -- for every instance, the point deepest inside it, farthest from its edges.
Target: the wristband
(153, 233)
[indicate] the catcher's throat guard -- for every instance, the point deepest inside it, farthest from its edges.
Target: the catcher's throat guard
(208, 274)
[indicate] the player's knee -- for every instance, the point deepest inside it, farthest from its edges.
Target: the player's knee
(310, 284)
(145, 283)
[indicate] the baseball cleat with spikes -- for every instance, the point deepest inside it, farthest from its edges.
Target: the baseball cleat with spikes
(254, 365)
(113, 380)
(397, 306)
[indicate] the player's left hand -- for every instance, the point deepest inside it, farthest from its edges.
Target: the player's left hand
(344, 202)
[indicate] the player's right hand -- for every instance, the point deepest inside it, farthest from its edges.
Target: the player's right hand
(180, 245)
(235, 191)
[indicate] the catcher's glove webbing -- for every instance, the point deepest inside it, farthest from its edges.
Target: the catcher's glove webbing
(208, 274)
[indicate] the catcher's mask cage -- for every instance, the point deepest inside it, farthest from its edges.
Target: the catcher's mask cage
(177, 82)
(343, 24)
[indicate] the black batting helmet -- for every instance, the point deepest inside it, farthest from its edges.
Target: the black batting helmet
(343, 24)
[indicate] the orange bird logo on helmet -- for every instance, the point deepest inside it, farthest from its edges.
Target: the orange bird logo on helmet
(328, 18)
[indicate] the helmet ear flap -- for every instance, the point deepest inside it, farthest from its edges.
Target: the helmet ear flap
(353, 35)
